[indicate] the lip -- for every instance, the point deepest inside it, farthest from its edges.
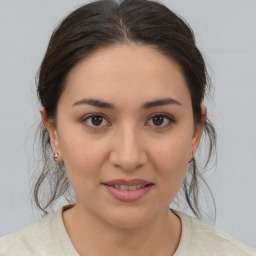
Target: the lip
(127, 182)
(128, 195)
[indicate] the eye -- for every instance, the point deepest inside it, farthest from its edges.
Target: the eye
(95, 121)
(160, 120)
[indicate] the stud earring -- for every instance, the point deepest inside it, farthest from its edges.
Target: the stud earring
(55, 155)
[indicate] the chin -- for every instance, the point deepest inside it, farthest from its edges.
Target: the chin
(128, 218)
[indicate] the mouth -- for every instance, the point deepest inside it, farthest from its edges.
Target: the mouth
(128, 191)
(129, 188)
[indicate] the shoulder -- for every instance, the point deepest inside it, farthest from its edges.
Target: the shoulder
(200, 238)
(32, 238)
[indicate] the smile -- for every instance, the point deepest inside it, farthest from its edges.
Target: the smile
(129, 188)
(128, 191)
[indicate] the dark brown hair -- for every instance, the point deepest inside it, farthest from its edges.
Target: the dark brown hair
(102, 24)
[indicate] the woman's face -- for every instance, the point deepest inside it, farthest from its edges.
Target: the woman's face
(125, 131)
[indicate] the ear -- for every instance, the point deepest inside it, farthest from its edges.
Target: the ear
(198, 131)
(53, 134)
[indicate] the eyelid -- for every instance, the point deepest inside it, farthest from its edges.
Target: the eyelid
(86, 117)
(164, 115)
(168, 116)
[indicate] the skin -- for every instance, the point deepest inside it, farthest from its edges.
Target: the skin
(126, 145)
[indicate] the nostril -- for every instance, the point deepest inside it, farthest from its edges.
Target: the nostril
(127, 160)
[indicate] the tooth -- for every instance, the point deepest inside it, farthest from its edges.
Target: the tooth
(124, 187)
(134, 187)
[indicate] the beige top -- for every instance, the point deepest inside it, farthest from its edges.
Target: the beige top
(49, 237)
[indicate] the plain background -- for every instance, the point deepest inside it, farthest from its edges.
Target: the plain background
(225, 31)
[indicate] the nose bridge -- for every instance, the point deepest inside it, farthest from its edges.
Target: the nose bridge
(127, 151)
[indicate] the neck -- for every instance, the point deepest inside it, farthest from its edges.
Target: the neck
(92, 236)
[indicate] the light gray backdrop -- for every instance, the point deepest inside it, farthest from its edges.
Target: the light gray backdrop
(225, 31)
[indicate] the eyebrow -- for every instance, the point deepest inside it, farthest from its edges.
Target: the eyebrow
(146, 105)
(95, 103)
(160, 102)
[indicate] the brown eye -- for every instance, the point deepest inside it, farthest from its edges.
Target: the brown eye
(160, 120)
(95, 121)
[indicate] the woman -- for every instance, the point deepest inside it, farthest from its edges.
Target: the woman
(121, 88)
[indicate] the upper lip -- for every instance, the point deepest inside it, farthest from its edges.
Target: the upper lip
(127, 182)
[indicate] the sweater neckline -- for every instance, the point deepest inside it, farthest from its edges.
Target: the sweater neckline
(69, 249)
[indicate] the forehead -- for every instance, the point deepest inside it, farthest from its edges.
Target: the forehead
(123, 72)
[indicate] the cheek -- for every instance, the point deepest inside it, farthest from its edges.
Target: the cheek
(83, 158)
(171, 165)
(83, 163)
(174, 150)
(171, 159)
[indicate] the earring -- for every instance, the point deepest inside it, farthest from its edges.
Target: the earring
(55, 155)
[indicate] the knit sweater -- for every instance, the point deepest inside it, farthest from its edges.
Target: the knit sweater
(49, 237)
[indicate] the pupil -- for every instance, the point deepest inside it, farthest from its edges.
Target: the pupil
(158, 120)
(97, 120)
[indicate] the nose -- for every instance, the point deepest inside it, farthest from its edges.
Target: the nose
(127, 150)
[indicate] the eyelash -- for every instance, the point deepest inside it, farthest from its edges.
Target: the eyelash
(165, 116)
(90, 116)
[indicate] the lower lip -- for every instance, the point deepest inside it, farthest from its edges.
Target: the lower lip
(128, 195)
